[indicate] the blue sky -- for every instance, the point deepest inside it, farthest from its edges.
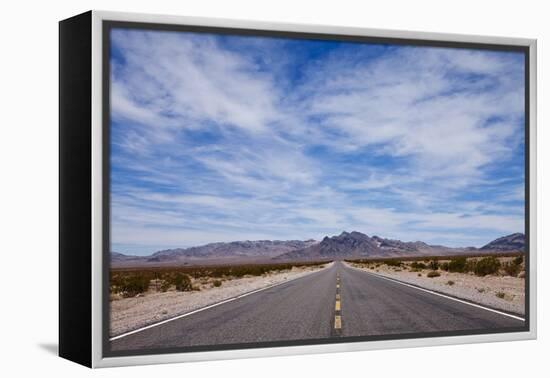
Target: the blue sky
(222, 138)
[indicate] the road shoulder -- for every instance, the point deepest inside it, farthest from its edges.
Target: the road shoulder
(471, 289)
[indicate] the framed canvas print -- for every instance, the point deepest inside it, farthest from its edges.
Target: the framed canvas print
(232, 189)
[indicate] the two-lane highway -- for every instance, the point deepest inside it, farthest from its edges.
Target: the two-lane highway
(334, 302)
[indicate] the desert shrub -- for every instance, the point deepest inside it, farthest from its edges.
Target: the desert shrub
(511, 268)
(487, 265)
(444, 266)
(458, 264)
(500, 294)
(433, 273)
(164, 286)
(130, 282)
(392, 262)
(450, 283)
(182, 282)
(470, 265)
(132, 285)
(419, 274)
(433, 265)
(418, 265)
(217, 283)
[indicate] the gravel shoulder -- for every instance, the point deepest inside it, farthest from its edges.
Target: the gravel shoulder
(127, 314)
(504, 293)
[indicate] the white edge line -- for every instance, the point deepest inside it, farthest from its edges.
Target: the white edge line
(442, 295)
(209, 306)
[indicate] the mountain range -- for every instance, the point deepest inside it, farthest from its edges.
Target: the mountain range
(236, 249)
(513, 242)
(346, 245)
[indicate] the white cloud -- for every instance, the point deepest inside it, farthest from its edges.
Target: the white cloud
(433, 123)
(167, 76)
(413, 111)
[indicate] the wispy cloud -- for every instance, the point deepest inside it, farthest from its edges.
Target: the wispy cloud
(218, 138)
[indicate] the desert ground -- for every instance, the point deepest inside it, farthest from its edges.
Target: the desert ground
(503, 289)
(130, 311)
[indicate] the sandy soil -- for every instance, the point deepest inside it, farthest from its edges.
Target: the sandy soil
(482, 290)
(131, 313)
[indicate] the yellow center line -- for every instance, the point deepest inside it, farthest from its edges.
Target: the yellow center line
(337, 322)
(337, 305)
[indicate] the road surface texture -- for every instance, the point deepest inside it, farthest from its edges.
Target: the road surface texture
(338, 301)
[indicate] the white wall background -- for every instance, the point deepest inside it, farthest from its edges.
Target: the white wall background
(28, 207)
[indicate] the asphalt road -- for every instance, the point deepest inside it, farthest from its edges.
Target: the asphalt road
(336, 302)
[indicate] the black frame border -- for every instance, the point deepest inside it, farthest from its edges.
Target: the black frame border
(75, 189)
(108, 25)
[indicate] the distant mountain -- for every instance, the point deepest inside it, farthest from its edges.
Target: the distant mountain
(256, 249)
(341, 246)
(358, 245)
(118, 259)
(399, 246)
(346, 245)
(513, 242)
(217, 252)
